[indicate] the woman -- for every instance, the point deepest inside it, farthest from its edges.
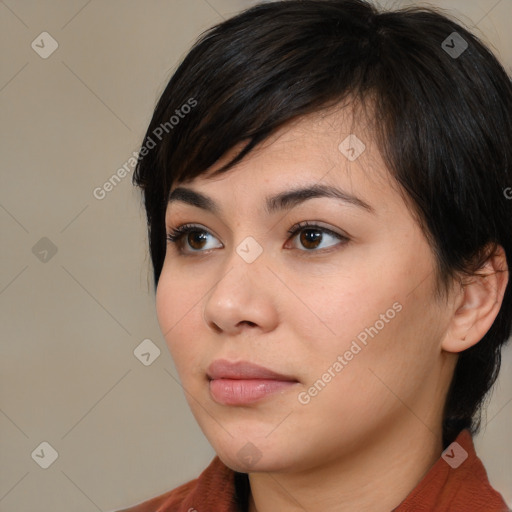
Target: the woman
(330, 232)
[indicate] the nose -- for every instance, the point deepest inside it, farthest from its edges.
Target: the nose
(243, 298)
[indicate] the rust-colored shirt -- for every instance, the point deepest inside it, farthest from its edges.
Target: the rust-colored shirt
(457, 482)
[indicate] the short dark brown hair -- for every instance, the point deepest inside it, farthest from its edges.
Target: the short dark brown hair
(442, 107)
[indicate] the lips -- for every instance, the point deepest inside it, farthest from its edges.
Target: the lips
(242, 383)
(223, 369)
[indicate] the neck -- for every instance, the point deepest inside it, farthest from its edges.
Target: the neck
(377, 478)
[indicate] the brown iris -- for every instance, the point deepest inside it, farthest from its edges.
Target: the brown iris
(310, 236)
(196, 236)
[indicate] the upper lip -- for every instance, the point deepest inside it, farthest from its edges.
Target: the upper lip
(224, 369)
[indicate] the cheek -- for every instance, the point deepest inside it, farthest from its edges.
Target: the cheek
(167, 304)
(370, 370)
(375, 318)
(336, 308)
(179, 314)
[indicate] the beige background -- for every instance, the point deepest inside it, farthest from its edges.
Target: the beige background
(72, 320)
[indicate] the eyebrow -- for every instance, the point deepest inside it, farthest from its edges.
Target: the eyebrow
(282, 201)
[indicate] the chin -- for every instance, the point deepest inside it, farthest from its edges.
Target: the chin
(259, 455)
(254, 462)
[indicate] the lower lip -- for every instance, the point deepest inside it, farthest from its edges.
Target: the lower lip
(245, 391)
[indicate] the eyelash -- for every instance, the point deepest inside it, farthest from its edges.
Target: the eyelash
(177, 234)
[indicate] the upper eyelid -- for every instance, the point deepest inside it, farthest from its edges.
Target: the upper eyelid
(295, 227)
(315, 225)
(189, 226)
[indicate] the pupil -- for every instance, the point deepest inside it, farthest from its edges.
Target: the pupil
(194, 236)
(311, 236)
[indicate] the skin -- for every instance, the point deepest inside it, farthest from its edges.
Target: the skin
(369, 436)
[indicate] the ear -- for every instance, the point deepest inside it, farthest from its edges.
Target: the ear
(477, 304)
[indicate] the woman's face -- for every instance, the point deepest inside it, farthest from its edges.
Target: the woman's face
(344, 308)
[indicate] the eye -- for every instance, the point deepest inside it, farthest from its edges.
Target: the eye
(312, 236)
(195, 238)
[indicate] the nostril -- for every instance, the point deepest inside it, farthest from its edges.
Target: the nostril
(252, 324)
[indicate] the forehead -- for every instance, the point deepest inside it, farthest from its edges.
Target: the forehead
(332, 146)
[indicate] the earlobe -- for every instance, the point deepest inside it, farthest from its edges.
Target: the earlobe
(477, 304)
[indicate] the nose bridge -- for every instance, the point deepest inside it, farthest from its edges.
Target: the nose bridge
(241, 293)
(243, 267)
